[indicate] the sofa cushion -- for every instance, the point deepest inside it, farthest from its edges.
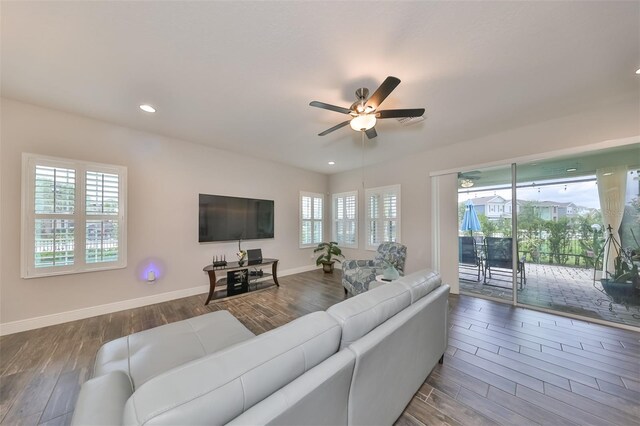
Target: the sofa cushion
(218, 387)
(393, 360)
(101, 400)
(360, 314)
(318, 397)
(421, 283)
(148, 353)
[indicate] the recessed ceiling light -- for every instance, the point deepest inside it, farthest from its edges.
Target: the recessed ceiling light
(571, 169)
(147, 108)
(638, 71)
(607, 174)
(331, 163)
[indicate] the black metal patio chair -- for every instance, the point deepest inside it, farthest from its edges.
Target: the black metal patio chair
(468, 256)
(499, 255)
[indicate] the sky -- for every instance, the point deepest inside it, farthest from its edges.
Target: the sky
(583, 194)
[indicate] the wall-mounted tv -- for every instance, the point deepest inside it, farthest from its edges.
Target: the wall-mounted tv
(231, 218)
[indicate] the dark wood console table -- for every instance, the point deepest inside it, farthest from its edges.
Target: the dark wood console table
(235, 266)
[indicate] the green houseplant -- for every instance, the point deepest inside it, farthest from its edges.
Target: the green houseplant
(622, 284)
(330, 255)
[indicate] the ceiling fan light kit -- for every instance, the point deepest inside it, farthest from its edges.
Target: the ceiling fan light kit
(363, 110)
(467, 179)
(363, 122)
(466, 183)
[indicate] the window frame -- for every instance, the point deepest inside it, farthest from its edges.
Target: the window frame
(79, 216)
(313, 220)
(381, 191)
(334, 220)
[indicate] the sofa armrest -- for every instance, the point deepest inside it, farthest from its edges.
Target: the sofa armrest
(102, 399)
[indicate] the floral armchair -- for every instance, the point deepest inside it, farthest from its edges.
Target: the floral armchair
(357, 274)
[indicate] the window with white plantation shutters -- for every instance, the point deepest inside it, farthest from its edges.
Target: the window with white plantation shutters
(102, 203)
(345, 219)
(54, 216)
(73, 216)
(311, 206)
(383, 215)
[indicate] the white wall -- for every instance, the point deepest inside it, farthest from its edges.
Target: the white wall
(608, 121)
(165, 177)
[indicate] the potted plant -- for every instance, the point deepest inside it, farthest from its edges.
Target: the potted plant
(623, 284)
(327, 259)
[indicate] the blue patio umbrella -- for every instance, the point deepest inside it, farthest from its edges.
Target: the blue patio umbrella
(470, 221)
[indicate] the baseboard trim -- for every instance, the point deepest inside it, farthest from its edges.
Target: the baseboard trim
(92, 311)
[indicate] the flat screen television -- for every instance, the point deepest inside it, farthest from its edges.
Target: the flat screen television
(231, 218)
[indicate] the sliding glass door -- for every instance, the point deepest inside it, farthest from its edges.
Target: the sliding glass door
(485, 250)
(576, 245)
(564, 208)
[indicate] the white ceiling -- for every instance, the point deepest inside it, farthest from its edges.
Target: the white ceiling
(240, 75)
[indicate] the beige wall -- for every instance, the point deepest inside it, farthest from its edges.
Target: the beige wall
(166, 175)
(608, 121)
(164, 179)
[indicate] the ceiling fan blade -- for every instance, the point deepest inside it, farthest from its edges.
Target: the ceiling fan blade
(383, 91)
(330, 107)
(336, 127)
(371, 133)
(400, 113)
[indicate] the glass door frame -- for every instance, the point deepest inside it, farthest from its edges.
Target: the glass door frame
(514, 235)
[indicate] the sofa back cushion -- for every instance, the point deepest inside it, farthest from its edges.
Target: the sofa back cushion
(421, 283)
(360, 314)
(219, 387)
(146, 354)
(318, 397)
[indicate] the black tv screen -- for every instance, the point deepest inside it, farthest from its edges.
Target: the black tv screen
(231, 218)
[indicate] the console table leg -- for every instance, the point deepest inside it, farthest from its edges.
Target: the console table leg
(274, 272)
(212, 286)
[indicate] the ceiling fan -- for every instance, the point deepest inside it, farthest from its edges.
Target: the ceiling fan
(467, 179)
(364, 111)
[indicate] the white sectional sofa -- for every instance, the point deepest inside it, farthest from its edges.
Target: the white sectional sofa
(358, 363)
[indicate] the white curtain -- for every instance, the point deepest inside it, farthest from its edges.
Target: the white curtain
(612, 186)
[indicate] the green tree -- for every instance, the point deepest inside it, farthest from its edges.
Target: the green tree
(530, 227)
(590, 240)
(461, 209)
(630, 222)
(559, 239)
(504, 227)
(488, 227)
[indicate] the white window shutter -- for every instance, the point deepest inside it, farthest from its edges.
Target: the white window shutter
(383, 215)
(344, 209)
(74, 216)
(311, 216)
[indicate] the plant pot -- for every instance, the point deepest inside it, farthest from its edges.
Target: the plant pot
(622, 293)
(327, 267)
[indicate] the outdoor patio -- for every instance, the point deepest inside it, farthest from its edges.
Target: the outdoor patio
(560, 288)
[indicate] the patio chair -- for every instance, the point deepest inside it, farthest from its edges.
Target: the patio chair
(358, 274)
(499, 255)
(468, 256)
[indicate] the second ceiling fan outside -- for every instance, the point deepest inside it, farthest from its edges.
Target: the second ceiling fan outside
(364, 111)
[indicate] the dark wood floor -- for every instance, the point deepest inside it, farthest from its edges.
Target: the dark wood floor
(504, 365)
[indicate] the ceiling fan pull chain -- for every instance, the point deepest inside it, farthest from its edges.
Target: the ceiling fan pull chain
(362, 134)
